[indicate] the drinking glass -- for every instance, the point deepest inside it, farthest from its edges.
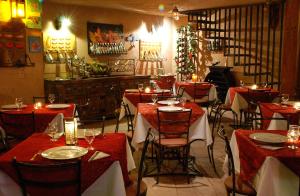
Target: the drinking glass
(140, 87)
(154, 98)
(19, 103)
(51, 98)
(242, 84)
(284, 98)
(293, 135)
(89, 136)
(53, 132)
(183, 101)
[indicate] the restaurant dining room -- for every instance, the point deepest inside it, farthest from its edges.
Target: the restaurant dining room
(152, 97)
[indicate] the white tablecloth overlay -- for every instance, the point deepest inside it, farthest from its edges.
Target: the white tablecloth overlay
(238, 102)
(198, 130)
(110, 183)
(273, 178)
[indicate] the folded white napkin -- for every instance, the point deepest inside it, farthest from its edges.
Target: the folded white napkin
(59, 121)
(98, 155)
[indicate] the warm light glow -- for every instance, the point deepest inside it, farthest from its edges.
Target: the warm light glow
(147, 90)
(194, 78)
(254, 86)
(17, 9)
(66, 22)
(297, 105)
(175, 13)
(38, 105)
(71, 132)
(5, 11)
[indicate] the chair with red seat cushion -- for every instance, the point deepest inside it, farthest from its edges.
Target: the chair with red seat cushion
(173, 140)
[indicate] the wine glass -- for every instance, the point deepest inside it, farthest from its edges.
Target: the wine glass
(140, 87)
(51, 98)
(154, 98)
(183, 101)
(284, 98)
(242, 84)
(19, 103)
(52, 132)
(293, 135)
(89, 136)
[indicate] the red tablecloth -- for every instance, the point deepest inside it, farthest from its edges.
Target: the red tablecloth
(262, 95)
(252, 156)
(287, 111)
(189, 88)
(44, 115)
(165, 82)
(149, 112)
(113, 144)
(142, 97)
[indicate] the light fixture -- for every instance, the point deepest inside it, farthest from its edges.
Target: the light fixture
(175, 13)
(61, 21)
(17, 8)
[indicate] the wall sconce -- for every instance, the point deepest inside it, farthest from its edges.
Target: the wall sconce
(17, 8)
(175, 13)
(71, 131)
(61, 21)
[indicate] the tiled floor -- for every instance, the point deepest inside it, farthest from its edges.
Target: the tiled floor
(210, 184)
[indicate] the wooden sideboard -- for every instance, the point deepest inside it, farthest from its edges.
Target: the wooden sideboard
(94, 97)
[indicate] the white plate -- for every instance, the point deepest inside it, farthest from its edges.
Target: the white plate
(132, 90)
(64, 152)
(168, 102)
(269, 138)
(12, 106)
(80, 133)
(57, 106)
(169, 109)
(162, 91)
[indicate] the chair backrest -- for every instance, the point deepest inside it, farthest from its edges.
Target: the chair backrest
(148, 139)
(180, 92)
(166, 82)
(129, 117)
(41, 99)
(231, 168)
(258, 95)
(201, 91)
(174, 124)
(18, 125)
(49, 178)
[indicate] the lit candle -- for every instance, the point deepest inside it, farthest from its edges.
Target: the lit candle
(254, 86)
(71, 132)
(194, 78)
(297, 105)
(147, 90)
(38, 105)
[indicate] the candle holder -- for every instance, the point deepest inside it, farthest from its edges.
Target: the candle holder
(38, 105)
(147, 89)
(70, 131)
(293, 135)
(254, 87)
(194, 78)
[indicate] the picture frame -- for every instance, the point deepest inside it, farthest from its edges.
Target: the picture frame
(35, 44)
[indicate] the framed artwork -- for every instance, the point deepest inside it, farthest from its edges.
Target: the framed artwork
(35, 44)
(105, 39)
(33, 12)
(150, 51)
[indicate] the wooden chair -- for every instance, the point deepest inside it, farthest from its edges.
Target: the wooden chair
(51, 178)
(233, 183)
(173, 141)
(17, 126)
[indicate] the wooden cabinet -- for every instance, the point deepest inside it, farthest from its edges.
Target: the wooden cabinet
(94, 96)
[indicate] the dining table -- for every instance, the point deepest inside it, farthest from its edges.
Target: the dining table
(106, 175)
(271, 169)
(134, 96)
(239, 97)
(189, 90)
(277, 110)
(147, 118)
(43, 115)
